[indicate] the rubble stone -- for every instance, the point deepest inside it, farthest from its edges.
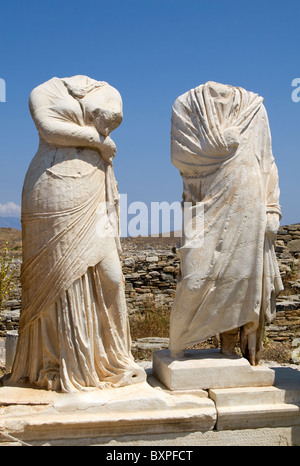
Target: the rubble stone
(154, 281)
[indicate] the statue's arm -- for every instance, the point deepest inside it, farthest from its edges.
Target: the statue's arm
(273, 191)
(63, 132)
(269, 175)
(272, 203)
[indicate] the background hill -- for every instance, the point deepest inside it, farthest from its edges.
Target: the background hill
(10, 222)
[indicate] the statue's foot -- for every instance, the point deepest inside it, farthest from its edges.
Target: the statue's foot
(133, 376)
(229, 342)
(249, 344)
(251, 357)
(53, 382)
(252, 360)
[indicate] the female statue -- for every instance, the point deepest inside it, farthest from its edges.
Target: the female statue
(221, 145)
(73, 330)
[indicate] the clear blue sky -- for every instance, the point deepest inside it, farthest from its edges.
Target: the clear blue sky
(151, 51)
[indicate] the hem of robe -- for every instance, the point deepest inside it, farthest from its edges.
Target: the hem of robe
(75, 345)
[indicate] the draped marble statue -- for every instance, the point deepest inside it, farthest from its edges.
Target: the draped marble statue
(73, 330)
(221, 144)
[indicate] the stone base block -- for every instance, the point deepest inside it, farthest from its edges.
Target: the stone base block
(255, 407)
(205, 369)
(32, 415)
(151, 414)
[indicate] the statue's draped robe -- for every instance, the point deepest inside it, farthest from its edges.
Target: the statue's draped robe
(71, 326)
(229, 275)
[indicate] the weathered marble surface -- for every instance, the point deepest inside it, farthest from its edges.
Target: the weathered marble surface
(229, 276)
(131, 410)
(208, 368)
(73, 329)
(152, 414)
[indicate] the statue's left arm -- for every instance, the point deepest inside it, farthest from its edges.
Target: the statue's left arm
(269, 177)
(272, 203)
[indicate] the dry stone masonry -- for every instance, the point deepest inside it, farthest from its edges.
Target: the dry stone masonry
(286, 327)
(150, 267)
(151, 277)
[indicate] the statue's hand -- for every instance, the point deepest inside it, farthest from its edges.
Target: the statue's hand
(108, 150)
(272, 226)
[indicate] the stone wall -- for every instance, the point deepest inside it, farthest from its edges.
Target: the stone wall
(150, 267)
(286, 326)
(150, 277)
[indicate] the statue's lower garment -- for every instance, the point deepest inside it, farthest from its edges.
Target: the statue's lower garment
(82, 340)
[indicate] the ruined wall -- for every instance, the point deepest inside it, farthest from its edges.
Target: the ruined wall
(150, 267)
(286, 326)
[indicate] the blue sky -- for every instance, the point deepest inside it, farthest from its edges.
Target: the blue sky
(152, 51)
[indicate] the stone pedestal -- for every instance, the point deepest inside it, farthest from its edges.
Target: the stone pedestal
(153, 414)
(206, 369)
(254, 407)
(30, 415)
(245, 396)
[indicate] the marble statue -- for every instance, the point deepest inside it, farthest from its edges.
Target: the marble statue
(221, 144)
(73, 331)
